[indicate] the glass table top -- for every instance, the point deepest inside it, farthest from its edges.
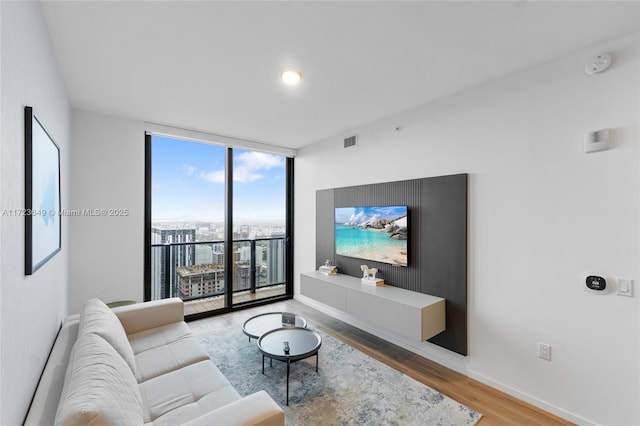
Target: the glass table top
(302, 342)
(258, 325)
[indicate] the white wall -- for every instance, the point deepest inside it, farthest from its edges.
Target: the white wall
(541, 213)
(1, 205)
(107, 173)
(31, 307)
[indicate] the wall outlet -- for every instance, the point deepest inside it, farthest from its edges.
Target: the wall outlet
(544, 351)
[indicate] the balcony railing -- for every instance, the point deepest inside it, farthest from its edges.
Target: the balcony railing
(196, 270)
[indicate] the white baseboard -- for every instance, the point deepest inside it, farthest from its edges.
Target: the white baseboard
(444, 357)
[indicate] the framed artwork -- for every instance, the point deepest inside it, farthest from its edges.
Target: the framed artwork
(42, 194)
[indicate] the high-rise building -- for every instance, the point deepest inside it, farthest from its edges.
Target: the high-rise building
(275, 258)
(242, 265)
(244, 253)
(204, 254)
(218, 254)
(200, 280)
(163, 282)
(242, 275)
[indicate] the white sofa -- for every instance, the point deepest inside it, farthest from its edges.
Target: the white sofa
(139, 365)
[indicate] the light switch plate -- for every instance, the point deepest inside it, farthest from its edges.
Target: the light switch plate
(625, 287)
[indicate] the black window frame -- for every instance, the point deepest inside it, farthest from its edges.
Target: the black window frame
(289, 241)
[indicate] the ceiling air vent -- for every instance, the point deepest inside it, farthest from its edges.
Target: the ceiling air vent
(351, 141)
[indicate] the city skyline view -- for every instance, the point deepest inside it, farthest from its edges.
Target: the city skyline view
(215, 231)
(186, 266)
(188, 224)
(188, 183)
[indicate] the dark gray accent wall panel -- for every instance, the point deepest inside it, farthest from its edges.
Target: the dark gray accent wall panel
(443, 261)
(437, 244)
(325, 240)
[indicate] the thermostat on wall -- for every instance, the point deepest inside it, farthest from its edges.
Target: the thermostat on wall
(595, 284)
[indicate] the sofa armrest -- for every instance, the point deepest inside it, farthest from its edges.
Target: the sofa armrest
(255, 409)
(147, 315)
(47, 396)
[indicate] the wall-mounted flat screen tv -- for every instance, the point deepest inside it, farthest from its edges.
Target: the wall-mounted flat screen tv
(380, 234)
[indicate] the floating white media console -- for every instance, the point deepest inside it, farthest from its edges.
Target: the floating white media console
(417, 316)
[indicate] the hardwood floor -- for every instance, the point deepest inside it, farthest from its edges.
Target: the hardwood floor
(497, 407)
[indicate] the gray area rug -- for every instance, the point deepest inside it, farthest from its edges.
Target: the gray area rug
(350, 388)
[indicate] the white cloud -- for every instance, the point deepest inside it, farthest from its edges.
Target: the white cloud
(213, 177)
(248, 164)
(246, 167)
(253, 160)
(190, 170)
(245, 175)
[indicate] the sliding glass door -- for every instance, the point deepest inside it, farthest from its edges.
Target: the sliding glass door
(259, 225)
(217, 225)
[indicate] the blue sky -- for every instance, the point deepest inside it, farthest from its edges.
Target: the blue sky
(188, 182)
(358, 214)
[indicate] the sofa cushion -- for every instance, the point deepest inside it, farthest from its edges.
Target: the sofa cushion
(98, 318)
(257, 409)
(184, 394)
(99, 387)
(163, 349)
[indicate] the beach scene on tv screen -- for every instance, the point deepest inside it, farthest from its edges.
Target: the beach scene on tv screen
(373, 233)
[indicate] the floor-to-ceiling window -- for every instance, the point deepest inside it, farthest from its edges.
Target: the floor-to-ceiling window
(218, 225)
(259, 224)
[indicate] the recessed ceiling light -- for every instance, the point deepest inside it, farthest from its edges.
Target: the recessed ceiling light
(291, 77)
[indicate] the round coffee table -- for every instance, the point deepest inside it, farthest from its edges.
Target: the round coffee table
(256, 326)
(289, 344)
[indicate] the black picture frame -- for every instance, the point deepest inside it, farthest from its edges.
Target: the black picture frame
(43, 230)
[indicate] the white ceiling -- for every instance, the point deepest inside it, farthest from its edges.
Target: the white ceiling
(214, 66)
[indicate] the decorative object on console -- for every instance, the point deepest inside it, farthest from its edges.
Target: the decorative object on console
(368, 273)
(328, 268)
(369, 276)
